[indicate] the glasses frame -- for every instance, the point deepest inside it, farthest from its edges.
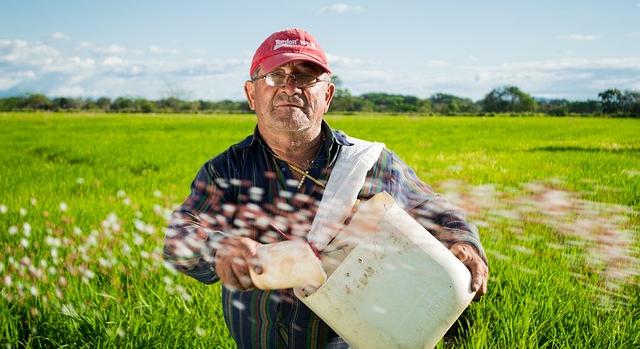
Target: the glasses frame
(286, 80)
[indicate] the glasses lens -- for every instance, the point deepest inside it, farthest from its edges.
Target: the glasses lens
(279, 79)
(276, 79)
(304, 79)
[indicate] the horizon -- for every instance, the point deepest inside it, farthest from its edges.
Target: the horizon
(202, 50)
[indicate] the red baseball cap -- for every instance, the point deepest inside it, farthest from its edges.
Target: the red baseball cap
(285, 46)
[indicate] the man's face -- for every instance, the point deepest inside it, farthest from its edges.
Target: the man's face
(289, 108)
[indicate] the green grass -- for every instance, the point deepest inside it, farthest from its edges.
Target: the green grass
(545, 290)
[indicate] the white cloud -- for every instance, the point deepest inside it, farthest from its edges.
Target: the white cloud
(23, 52)
(37, 67)
(88, 69)
(59, 36)
(574, 78)
(341, 9)
(579, 37)
(162, 51)
(113, 61)
(437, 63)
(10, 79)
(336, 61)
(110, 50)
(68, 91)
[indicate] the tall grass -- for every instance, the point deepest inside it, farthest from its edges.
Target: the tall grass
(84, 200)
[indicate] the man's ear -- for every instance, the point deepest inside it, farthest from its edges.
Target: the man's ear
(328, 96)
(249, 90)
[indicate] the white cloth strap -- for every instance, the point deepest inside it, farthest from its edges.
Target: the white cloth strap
(346, 180)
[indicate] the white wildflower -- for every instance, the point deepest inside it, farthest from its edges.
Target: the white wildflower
(157, 193)
(63, 206)
(23, 212)
(24, 243)
(53, 242)
(13, 230)
(79, 180)
(137, 239)
(200, 331)
(89, 274)
(26, 229)
(3, 209)
(121, 193)
(33, 201)
(68, 310)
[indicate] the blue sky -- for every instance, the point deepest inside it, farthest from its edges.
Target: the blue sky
(202, 49)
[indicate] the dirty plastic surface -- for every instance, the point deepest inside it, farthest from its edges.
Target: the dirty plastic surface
(397, 287)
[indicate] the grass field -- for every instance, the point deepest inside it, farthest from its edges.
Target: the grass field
(84, 200)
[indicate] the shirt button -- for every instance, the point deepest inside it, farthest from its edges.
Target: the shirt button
(283, 169)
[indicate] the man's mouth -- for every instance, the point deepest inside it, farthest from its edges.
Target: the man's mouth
(289, 105)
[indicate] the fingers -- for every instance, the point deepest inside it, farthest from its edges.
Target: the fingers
(470, 257)
(233, 259)
(460, 251)
(240, 270)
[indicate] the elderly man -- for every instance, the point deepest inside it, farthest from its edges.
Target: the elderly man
(268, 187)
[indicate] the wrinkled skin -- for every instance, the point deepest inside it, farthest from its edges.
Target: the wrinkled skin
(233, 259)
(470, 257)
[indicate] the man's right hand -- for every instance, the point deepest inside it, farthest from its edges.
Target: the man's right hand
(233, 258)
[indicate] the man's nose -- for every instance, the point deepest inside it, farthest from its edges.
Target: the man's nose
(290, 85)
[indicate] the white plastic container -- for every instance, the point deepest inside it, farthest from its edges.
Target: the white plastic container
(398, 287)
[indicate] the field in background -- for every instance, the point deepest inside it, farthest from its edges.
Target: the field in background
(84, 199)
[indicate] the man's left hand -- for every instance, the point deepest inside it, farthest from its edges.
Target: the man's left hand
(470, 257)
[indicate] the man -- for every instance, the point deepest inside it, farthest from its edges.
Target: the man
(267, 188)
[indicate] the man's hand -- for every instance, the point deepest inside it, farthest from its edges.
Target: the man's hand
(233, 259)
(470, 257)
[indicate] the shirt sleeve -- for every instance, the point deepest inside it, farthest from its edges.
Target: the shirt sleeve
(433, 211)
(197, 226)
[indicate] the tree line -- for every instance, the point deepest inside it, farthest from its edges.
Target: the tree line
(505, 99)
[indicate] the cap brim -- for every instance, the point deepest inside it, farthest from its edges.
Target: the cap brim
(275, 61)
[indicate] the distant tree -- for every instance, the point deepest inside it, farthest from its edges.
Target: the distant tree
(444, 103)
(103, 103)
(122, 104)
(66, 103)
(631, 103)
(612, 101)
(336, 80)
(508, 99)
(384, 102)
(588, 107)
(37, 102)
(143, 105)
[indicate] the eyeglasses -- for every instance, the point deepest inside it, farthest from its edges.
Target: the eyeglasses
(279, 79)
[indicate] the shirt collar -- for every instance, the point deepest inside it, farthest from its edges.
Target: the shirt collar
(331, 136)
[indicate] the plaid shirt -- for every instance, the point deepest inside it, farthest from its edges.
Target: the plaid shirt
(246, 189)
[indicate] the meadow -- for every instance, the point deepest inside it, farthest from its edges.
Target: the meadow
(84, 200)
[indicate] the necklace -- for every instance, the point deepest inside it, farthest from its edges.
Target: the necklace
(305, 174)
